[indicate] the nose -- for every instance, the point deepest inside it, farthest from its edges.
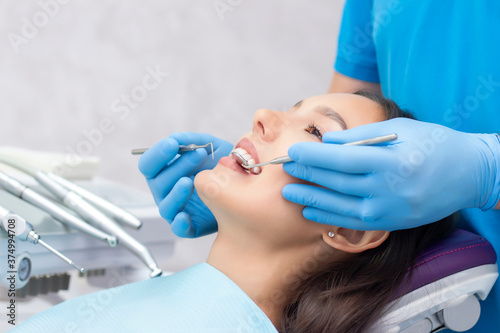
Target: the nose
(268, 124)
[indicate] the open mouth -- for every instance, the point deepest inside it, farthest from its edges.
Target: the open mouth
(243, 158)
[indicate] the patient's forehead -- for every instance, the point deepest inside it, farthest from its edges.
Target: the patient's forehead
(355, 110)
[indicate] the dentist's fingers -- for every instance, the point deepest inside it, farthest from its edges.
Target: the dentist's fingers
(220, 147)
(186, 138)
(323, 199)
(182, 226)
(187, 226)
(330, 207)
(185, 166)
(156, 158)
(177, 199)
(351, 184)
(369, 131)
(348, 159)
(338, 220)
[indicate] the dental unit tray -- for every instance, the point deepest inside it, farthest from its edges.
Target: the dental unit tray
(89, 252)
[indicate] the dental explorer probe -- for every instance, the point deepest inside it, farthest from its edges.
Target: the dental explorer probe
(15, 225)
(13, 186)
(114, 211)
(75, 202)
(286, 159)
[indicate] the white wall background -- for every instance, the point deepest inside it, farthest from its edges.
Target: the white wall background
(67, 64)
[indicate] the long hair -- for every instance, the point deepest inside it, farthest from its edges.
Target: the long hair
(349, 296)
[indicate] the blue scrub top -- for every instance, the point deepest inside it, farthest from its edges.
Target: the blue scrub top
(198, 299)
(440, 60)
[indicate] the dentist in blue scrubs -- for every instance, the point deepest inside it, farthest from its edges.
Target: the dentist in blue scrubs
(438, 59)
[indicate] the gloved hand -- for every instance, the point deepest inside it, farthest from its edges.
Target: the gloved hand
(428, 173)
(172, 185)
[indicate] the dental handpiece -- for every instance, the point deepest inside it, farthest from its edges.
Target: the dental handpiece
(11, 185)
(114, 211)
(15, 225)
(92, 215)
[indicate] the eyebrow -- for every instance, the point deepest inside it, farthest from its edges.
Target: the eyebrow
(332, 114)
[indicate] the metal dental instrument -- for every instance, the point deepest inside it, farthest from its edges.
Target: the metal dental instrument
(182, 149)
(34, 238)
(75, 202)
(15, 225)
(284, 159)
(114, 211)
(11, 185)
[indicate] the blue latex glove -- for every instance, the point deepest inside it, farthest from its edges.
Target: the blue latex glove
(172, 185)
(428, 173)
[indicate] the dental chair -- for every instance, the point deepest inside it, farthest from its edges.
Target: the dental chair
(448, 280)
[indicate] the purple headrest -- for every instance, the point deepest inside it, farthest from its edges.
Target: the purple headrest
(459, 251)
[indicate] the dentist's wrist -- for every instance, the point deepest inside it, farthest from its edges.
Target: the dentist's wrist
(491, 189)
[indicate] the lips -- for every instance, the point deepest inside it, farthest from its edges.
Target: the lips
(231, 163)
(249, 148)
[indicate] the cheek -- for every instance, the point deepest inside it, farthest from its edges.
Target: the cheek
(256, 204)
(256, 196)
(268, 189)
(211, 185)
(275, 212)
(279, 219)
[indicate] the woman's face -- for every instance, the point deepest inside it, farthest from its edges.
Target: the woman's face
(254, 201)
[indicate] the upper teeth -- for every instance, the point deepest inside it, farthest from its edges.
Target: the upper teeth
(249, 160)
(243, 153)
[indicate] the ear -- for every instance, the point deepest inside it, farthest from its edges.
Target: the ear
(354, 241)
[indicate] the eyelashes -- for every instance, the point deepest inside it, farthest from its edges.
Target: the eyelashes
(314, 130)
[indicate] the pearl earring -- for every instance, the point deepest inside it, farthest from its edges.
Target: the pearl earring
(331, 234)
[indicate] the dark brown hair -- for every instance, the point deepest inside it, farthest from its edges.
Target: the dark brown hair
(349, 296)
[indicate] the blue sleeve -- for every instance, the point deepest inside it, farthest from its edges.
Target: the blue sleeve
(356, 56)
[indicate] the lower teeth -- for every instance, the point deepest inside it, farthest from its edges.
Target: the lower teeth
(256, 170)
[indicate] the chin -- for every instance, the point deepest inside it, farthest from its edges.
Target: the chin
(212, 188)
(211, 185)
(202, 185)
